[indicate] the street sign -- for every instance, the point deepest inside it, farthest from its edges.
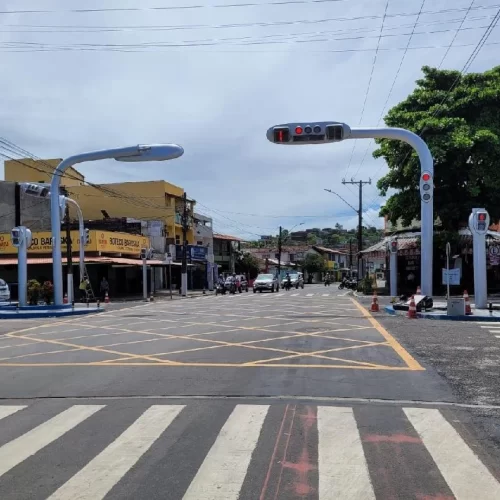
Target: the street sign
(308, 133)
(494, 250)
(452, 274)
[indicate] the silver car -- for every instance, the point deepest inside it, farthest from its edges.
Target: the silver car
(267, 282)
(4, 291)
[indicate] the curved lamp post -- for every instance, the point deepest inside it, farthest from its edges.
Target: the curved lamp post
(152, 152)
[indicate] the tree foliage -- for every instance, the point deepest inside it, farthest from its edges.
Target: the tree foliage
(462, 129)
(248, 264)
(313, 263)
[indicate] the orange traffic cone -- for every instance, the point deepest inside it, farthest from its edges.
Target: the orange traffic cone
(65, 299)
(419, 292)
(374, 307)
(468, 309)
(412, 311)
(106, 298)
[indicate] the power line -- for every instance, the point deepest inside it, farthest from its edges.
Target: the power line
(147, 46)
(395, 78)
(467, 65)
(283, 3)
(369, 84)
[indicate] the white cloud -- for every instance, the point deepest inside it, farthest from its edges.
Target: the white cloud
(218, 100)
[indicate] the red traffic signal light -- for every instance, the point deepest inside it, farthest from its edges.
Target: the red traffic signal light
(299, 130)
(281, 134)
(481, 216)
(426, 177)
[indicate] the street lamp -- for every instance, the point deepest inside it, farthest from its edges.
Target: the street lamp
(42, 190)
(152, 152)
(333, 131)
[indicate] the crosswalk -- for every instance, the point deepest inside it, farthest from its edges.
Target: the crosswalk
(493, 328)
(219, 451)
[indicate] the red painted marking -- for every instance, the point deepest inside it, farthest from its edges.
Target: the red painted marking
(393, 438)
(273, 457)
(285, 451)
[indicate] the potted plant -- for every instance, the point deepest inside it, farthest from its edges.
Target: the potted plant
(34, 289)
(47, 292)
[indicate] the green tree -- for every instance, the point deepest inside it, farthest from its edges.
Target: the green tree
(248, 264)
(462, 129)
(313, 263)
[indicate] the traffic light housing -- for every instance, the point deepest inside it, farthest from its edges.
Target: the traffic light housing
(86, 239)
(308, 133)
(482, 221)
(426, 186)
(144, 253)
(394, 246)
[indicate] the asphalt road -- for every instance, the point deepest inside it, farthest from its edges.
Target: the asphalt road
(291, 395)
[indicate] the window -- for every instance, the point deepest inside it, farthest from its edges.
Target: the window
(177, 239)
(276, 255)
(199, 242)
(292, 257)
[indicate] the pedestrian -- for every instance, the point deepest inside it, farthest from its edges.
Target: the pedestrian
(104, 288)
(84, 284)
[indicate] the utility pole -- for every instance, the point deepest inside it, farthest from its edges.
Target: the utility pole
(69, 251)
(350, 254)
(360, 220)
(279, 256)
(17, 205)
(185, 222)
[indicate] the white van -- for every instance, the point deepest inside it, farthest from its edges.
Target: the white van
(4, 291)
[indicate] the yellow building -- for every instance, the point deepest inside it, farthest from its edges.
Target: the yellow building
(145, 200)
(40, 171)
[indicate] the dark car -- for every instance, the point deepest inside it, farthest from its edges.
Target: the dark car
(297, 280)
(266, 282)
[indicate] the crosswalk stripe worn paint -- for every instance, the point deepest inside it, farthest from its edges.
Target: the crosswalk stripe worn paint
(97, 478)
(18, 450)
(465, 474)
(6, 411)
(224, 469)
(343, 471)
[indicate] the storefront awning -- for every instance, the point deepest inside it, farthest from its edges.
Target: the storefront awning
(88, 260)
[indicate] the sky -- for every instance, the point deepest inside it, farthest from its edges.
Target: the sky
(214, 77)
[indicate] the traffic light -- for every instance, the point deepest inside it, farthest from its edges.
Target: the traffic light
(426, 186)
(281, 134)
(394, 246)
(482, 221)
(144, 253)
(335, 132)
(39, 190)
(308, 133)
(86, 239)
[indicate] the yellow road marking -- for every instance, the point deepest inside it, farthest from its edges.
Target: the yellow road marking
(324, 351)
(412, 363)
(96, 349)
(207, 365)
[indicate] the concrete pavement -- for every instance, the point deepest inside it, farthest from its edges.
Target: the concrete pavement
(291, 395)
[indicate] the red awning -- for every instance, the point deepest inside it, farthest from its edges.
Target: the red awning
(89, 260)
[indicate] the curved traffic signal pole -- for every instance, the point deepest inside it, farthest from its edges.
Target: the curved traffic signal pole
(332, 131)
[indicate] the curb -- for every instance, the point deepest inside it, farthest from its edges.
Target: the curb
(49, 314)
(492, 319)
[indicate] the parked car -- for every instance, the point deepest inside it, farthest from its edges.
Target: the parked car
(267, 282)
(297, 280)
(4, 291)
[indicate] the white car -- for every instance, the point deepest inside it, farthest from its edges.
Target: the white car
(4, 291)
